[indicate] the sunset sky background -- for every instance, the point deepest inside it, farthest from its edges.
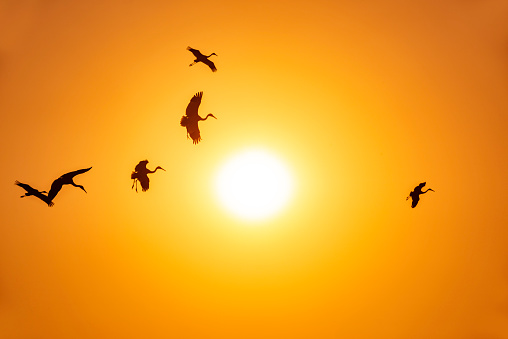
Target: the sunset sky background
(361, 100)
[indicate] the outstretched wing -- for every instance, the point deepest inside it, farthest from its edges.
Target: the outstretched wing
(192, 107)
(196, 52)
(141, 166)
(26, 187)
(145, 182)
(71, 175)
(56, 186)
(44, 198)
(210, 64)
(415, 198)
(193, 131)
(35, 193)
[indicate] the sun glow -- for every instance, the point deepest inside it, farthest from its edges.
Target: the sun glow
(254, 185)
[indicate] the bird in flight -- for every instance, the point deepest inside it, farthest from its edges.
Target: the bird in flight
(36, 193)
(140, 174)
(191, 118)
(66, 179)
(202, 58)
(415, 194)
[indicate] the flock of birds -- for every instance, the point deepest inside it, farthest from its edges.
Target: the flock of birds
(140, 174)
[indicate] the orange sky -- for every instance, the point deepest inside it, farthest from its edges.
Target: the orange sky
(362, 100)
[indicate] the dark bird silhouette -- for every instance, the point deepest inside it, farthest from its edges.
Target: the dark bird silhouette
(415, 194)
(191, 118)
(141, 174)
(36, 193)
(66, 179)
(202, 58)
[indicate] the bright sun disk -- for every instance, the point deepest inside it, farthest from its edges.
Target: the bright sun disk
(254, 185)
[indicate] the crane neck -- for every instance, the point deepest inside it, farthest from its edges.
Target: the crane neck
(155, 170)
(209, 115)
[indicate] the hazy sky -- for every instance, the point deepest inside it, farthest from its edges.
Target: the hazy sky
(362, 100)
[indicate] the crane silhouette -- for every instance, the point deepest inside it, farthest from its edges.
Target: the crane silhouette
(191, 118)
(202, 58)
(415, 194)
(140, 174)
(66, 179)
(36, 193)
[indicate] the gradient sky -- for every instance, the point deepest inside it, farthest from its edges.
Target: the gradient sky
(362, 100)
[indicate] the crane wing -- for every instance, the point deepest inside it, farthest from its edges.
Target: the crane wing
(56, 186)
(26, 187)
(196, 52)
(74, 173)
(30, 190)
(192, 107)
(145, 182)
(44, 198)
(210, 64)
(141, 166)
(193, 132)
(415, 199)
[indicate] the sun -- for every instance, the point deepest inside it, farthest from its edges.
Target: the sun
(254, 185)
